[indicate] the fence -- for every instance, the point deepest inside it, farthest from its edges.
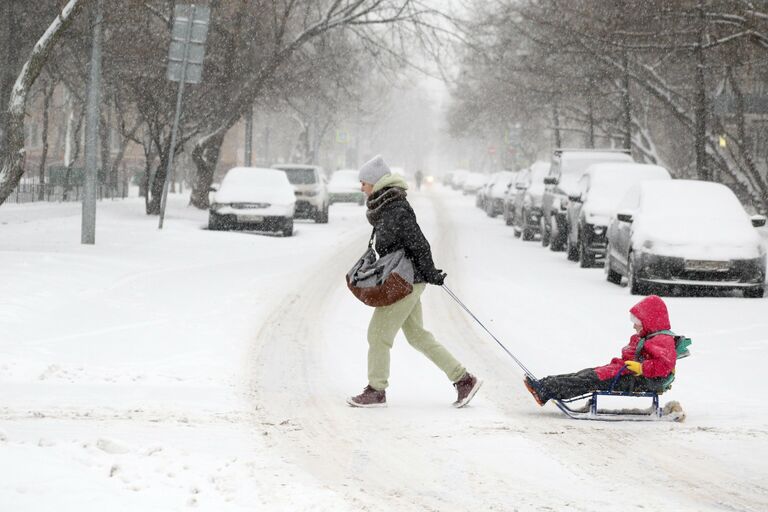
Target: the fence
(30, 192)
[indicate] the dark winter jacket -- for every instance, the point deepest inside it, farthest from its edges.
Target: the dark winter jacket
(658, 354)
(394, 222)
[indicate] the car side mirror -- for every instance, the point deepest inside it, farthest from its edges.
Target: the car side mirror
(758, 221)
(624, 216)
(550, 180)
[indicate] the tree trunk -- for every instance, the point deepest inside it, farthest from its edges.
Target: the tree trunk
(556, 130)
(12, 156)
(158, 181)
(590, 114)
(47, 94)
(700, 110)
(626, 104)
(206, 156)
(74, 154)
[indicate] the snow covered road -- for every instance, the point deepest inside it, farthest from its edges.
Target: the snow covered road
(184, 370)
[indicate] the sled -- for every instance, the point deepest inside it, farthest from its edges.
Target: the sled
(590, 410)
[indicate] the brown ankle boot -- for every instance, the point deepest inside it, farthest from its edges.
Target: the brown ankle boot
(369, 398)
(466, 387)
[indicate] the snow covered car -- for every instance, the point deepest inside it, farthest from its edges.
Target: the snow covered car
(685, 233)
(344, 187)
(567, 167)
(589, 210)
(457, 178)
(253, 198)
(311, 190)
(522, 206)
(496, 192)
(473, 182)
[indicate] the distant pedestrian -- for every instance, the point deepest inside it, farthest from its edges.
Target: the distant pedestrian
(395, 226)
(642, 366)
(419, 176)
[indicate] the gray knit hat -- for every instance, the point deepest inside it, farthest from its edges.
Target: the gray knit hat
(373, 170)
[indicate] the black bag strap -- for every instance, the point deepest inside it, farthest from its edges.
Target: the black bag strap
(370, 242)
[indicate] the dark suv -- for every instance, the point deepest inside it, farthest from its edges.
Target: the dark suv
(568, 165)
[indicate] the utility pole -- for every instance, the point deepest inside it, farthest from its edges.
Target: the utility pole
(88, 229)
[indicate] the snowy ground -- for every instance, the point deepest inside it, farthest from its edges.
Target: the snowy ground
(190, 370)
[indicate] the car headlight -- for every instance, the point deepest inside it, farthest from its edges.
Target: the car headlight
(217, 206)
(648, 244)
(563, 204)
(310, 193)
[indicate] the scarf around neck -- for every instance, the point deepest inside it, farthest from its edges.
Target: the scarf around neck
(379, 200)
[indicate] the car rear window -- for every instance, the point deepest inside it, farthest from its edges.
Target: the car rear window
(300, 176)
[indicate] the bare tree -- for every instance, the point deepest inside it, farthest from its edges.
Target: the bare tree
(12, 155)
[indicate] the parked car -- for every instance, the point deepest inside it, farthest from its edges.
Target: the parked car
(457, 178)
(482, 192)
(473, 182)
(497, 190)
(311, 190)
(523, 204)
(344, 187)
(255, 198)
(598, 195)
(685, 233)
(567, 167)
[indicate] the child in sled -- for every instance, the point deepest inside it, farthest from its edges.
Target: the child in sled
(646, 371)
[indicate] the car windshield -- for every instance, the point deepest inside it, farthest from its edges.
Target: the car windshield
(300, 176)
(575, 163)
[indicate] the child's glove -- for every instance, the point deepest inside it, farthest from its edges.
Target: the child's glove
(635, 367)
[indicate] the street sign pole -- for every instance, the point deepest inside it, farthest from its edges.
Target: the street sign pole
(191, 48)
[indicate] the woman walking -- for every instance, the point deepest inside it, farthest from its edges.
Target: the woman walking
(395, 226)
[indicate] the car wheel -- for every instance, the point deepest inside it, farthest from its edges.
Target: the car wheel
(215, 223)
(322, 216)
(754, 293)
(556, 243)
(543, 224)
(610, 275)
(287, 227)
(635, 286)
(586, 260)
(571, 249)
(527, 234)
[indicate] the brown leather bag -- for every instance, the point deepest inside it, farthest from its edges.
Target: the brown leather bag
(381, 281)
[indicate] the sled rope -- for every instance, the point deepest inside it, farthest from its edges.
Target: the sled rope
(458, 301)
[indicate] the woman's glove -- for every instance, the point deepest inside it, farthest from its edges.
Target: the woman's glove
(437, 277)
(635, 367)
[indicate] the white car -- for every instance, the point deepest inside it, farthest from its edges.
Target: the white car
(344, 187)
(685, 233)
(311, 190)
(473, 182)
(497, 191)
(597, 197)
(256, 198)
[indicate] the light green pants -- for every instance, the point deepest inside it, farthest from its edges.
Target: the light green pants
(404, 314)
